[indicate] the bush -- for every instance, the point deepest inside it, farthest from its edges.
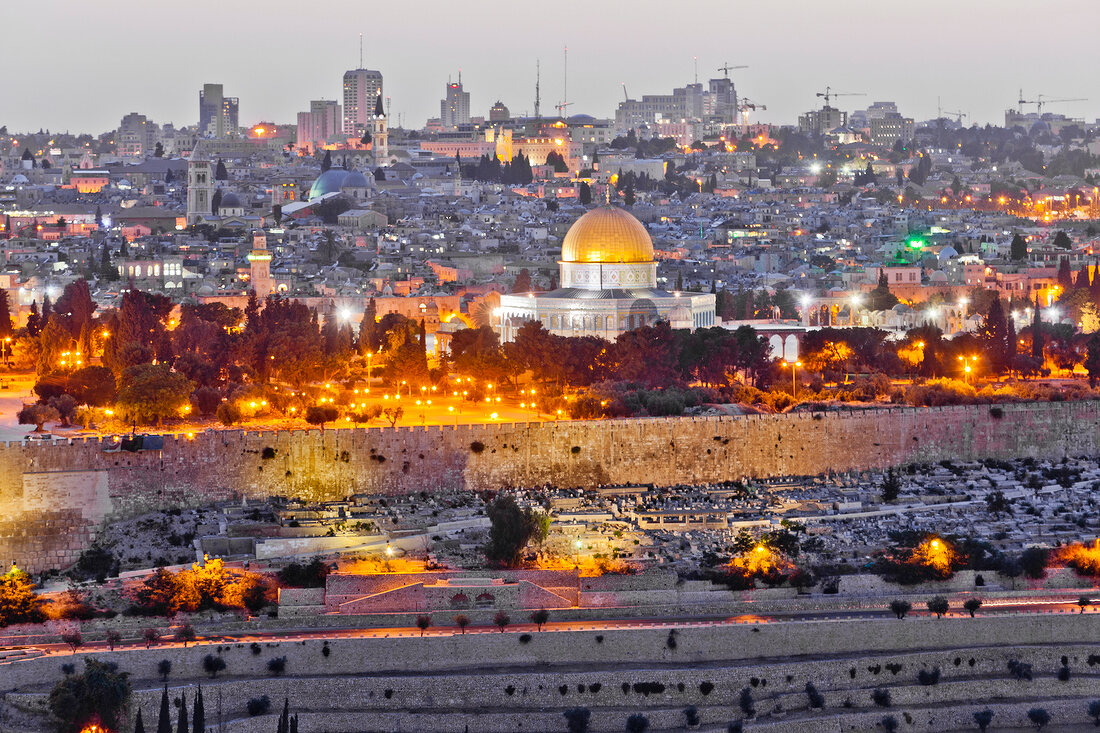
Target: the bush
(881, 696)
(746, 703)
(276, 666)
(1019, 670)
(164, 668)
(817, 700)
(889, 724)
(477, 447)
(1063, 674)
(983, 718)
(258, 706)
(1039, 717)
(576, 719)
(928, 677)
(637, 723)
(423, 622)
(691, 716)
(972, 605)
(213, 664)
(705, 688)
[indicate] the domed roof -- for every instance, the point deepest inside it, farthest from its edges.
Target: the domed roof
(607, 234)
(231, 200)
(354, 179)
(328, 182)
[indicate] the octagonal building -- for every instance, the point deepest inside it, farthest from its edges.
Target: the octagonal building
(608, 285)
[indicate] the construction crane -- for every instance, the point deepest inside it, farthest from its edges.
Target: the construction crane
(743, 108)
(958, 116)
(829, 94)
(1039, 101)
(726, 68)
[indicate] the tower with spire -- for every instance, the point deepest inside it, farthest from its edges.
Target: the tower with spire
(379, 133)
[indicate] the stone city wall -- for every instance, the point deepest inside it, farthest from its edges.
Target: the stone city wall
(331, 464)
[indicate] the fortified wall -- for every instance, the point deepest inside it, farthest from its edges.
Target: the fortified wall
(53, 496)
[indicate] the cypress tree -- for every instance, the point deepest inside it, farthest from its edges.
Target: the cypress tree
(1036, 333)
(139, 724)
(198, 721)
(182, 727)
(47, 308)
(34, 321)
(1094, 288)
(1065, 274)
(1018, 248)
(5, 315)
(164, 721)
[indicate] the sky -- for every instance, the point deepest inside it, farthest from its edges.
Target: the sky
(80, 66)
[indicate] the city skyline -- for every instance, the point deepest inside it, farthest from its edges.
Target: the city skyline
(793, 51)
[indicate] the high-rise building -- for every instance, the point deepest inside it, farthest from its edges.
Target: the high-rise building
(820, 121)
(218, 114)
(454, 109)
(361, 88)
(685, 103)
(136, 136)
(319, 124)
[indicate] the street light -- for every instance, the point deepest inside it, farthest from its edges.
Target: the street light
(793, 366)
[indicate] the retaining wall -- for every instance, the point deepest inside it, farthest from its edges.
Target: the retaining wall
(331, 464)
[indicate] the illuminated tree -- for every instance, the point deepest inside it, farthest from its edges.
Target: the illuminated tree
(18, 601)
(511, 529)
(393, 414)
(37, 415)
(34, 320)
(321, 414)
(101, 693)
(152, 392)
(938, 605)
(462, 621)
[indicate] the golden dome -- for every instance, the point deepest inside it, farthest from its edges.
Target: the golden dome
(607, 234)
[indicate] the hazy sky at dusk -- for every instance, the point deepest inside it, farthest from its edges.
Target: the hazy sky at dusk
(82, 65)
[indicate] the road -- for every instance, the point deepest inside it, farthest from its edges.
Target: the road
(683, 622)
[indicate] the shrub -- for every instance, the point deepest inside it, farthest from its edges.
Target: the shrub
(164, 668)
(477, 447)
(972, 605)
(735, 726)
(1019, 670)
(524, 638)
(983, 718)
(276, 666)
(325, 651)
(1039, 717)
(257, 650)
(928, 677)
(637, 723)
(258, 705)
(817, 700)
(705, 688)
(1063, 674)
(1094, 712)
(423, 622)
(889, 724)
(213, 664)
(576, 719)
(881, 696)
(691, 716)
(746, 703)
(68, 668)
(112, 637)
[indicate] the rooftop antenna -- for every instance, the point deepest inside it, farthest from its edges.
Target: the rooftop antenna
(360, 50)
(537, 71)
(564, 104)
(389, 107)
(696, 60)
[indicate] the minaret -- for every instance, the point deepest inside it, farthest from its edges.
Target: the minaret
(200, 189)
(380, 143)
(259, 259)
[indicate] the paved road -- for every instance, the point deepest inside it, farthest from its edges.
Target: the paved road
(304, 633)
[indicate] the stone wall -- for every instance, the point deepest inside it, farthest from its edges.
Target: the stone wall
(323, 465)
